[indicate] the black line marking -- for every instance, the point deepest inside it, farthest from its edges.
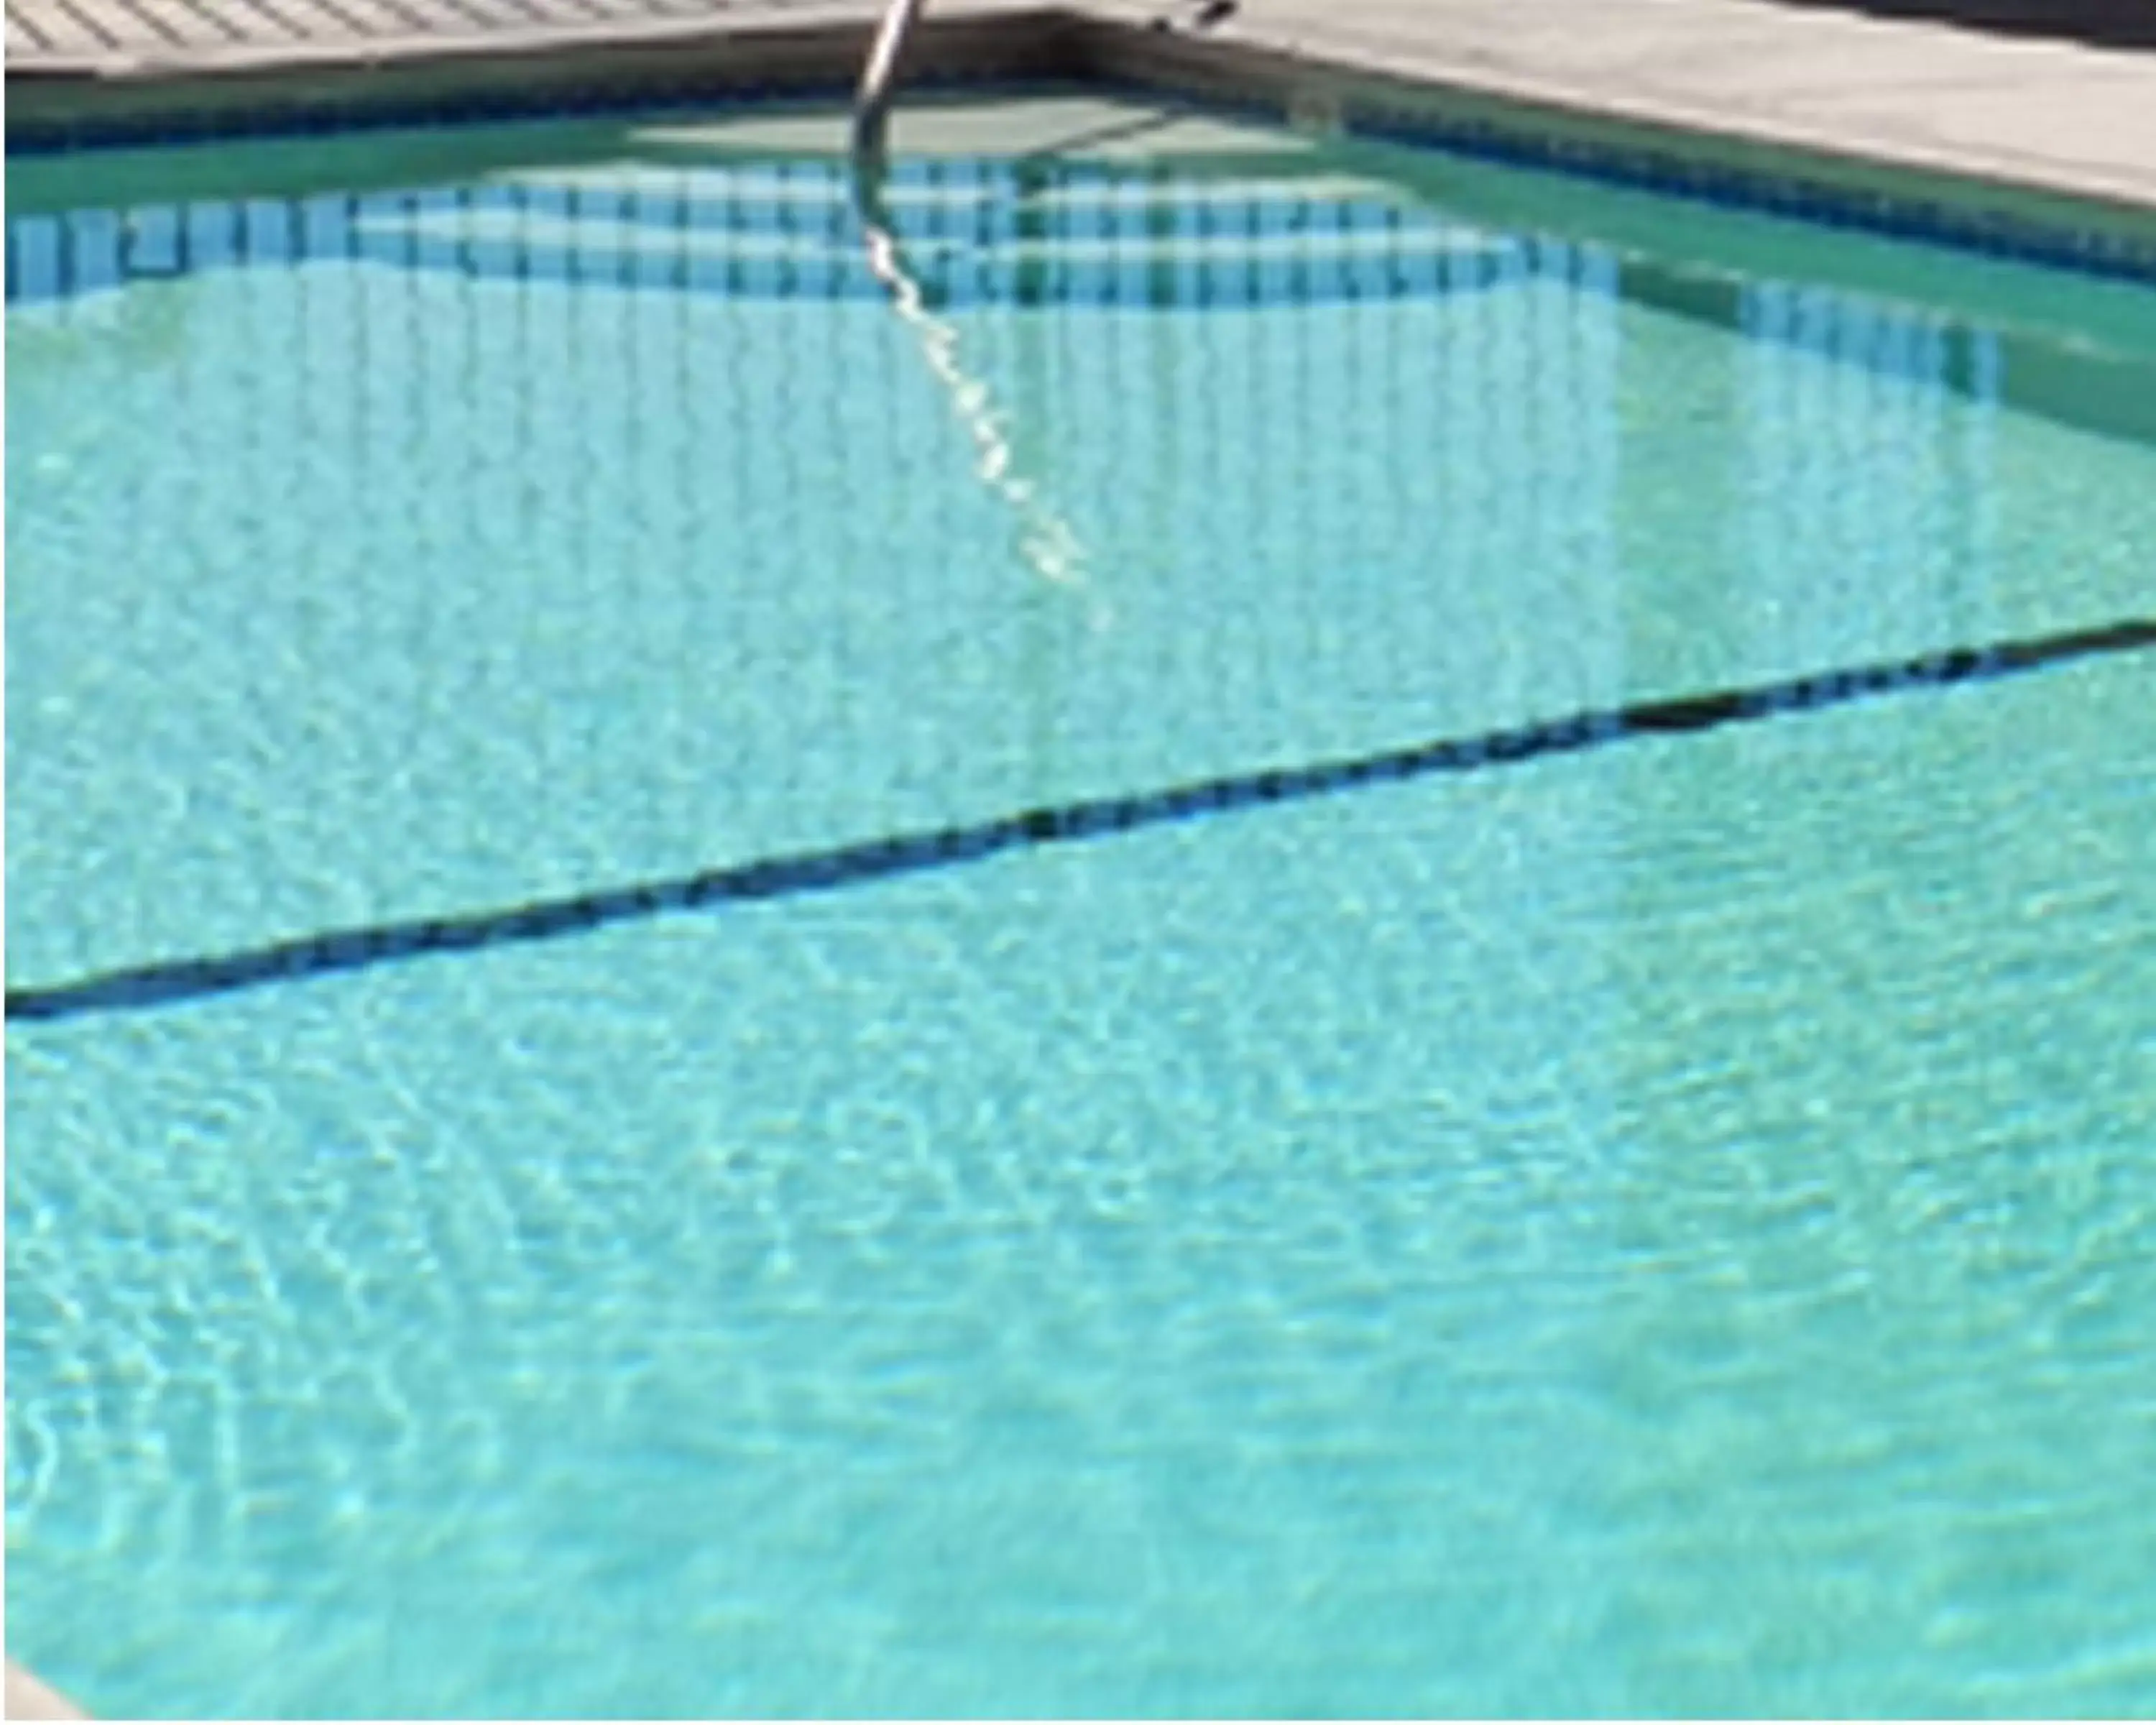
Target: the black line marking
(174, 981)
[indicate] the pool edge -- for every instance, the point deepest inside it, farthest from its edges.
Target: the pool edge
(510, 74)
(1648, 143)
(30, 1697)
(1749, 161)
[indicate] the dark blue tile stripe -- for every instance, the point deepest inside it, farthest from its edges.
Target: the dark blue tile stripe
(641, 97)
(177, 981)
(1519, 142)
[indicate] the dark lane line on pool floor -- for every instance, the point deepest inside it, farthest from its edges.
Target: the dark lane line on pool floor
(175, 981)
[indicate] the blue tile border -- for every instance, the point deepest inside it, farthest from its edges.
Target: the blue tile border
(642, 96)
(1991, 232)
(1527, 142)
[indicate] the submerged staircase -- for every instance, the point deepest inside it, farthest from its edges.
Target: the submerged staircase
(976, 231)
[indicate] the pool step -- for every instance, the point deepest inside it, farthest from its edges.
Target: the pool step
(974, 232)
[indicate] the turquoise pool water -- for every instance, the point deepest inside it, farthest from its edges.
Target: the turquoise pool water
(1665, 1226)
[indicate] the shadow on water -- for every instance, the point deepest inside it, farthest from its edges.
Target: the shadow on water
(2109, 24)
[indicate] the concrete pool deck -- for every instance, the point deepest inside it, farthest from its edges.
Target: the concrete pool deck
(2036, 113)
(29, 1699)
(1934, 97)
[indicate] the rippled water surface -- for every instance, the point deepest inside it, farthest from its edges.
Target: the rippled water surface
(1661, 1226)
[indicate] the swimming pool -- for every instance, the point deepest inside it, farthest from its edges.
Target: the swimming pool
(1495, 1052)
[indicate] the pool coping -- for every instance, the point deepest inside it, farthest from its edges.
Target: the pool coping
(419, 79)
(1757, 160)
(30, 1697)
